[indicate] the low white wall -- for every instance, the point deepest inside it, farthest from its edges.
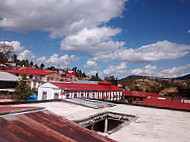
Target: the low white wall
(50, 92)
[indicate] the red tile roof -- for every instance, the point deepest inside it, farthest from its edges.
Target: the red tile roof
(45, 126)
(166, 102)
(86, 87)
(28, 70)
(140, 94)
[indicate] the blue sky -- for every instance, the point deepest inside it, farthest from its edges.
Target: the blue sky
(114, 37)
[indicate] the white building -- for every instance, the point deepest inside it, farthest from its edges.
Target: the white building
(36, 77)
(60, 90)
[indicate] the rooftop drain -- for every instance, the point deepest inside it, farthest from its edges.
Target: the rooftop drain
(107, 122)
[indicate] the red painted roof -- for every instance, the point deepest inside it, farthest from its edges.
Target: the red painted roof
(67, 75)
(28, 70)
(166, 102)
(104, 83)
(44, 126)
(140, 94)
(86, 87)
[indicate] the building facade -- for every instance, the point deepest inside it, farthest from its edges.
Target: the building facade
(36, 77)
(60, 90)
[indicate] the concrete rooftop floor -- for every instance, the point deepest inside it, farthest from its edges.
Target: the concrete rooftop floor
(153, 125)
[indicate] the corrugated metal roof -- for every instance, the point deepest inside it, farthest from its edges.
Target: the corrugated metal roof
(86, 87)
(44, 126)
(6, 109)
(166, 102)
(5, 76)
(140, 94)
(85, 82)
(28, 70)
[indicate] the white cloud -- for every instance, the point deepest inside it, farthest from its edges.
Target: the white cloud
(60, 18)
(92, 73)
(15, 44)
(161, 50)
(90, 64)
(26, 55)
(115, 70)
(174, 71)
(148, 70)
(55, 60)
(92, 40)
(18, 50)
(188, 31)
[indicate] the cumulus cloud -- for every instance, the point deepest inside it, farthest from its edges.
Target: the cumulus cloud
(150, 70)
(115, 70)
(18, 50)
(188, 31)
(57, 17)
(174, 71)
(26, 55)
(55, 60)
(15, 44)
(90, 64)
(91, 40)
(161, 50)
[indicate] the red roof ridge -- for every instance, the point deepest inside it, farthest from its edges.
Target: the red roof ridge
(86, 87)
(28, 70)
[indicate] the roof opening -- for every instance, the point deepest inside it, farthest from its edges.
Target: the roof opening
(107, 122)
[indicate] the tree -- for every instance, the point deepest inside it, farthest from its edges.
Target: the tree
(22, 90)
(31, 64)
(36, 66)
(51, 68)
(3, 59)
(14, 58)
(42, 66)
(111, 79)
(5, 52)
(95, 78)
(74, 69)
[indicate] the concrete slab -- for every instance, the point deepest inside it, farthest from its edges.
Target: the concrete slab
(153, 125)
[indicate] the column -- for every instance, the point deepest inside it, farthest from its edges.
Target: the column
(106, 126)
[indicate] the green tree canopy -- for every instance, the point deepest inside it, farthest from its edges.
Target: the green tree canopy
(22, 90)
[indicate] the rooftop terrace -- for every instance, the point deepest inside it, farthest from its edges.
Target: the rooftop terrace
(152, 125)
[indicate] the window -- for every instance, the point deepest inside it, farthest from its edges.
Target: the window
(93, 95)
(88, 94)
(82, 94)
(75, 94)
(67, 94)
(56, 95)
(44, 95)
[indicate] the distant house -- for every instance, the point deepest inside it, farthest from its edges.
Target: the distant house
(69, 76)
(61, 90)
(35, 76)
